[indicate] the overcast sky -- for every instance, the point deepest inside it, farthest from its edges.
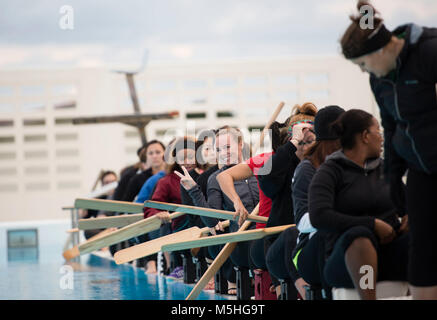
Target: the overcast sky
(110, 32)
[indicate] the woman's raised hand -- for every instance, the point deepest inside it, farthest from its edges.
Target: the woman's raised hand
(186, 181)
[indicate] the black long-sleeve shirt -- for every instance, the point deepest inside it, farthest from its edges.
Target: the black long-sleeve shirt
(277, 184)
(135, 184)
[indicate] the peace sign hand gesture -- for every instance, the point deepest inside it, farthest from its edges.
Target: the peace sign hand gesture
(186, 181)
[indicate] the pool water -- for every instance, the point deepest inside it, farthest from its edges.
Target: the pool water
(42, 274)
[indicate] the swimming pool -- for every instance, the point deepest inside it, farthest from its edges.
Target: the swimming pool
(42, 274)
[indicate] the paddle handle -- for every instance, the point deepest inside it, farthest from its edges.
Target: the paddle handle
(207, 212)
(269, 123)
(205, 230)
(218, 262)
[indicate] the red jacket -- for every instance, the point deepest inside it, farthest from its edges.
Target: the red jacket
(168, 189)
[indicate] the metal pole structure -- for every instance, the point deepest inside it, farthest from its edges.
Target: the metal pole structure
(74, 215)
(134, 98)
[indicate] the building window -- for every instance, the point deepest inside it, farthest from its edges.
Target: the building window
(37, 186)
(35, 138)
(34, 122)
(256, 96)
(256, 81)
(225, 98)
(59, 137)
(225, 114)
(8, 188)
(68, 169)
(285, 80)
(70, 104)
(32, 90)
(5, 107)
(196, 115)
(316, 78)
(8, 171)
(66, 89)
(67, 153)
(7, 155)
(6, 91)
(225, 82)
(36, 154)
(193, 100)
(68, 184)
(6, 123)
(131, 134)
(7, 139)
(195, 84)
(260, 113)
(161, 85)
(36, 170)
(162, 101)
(34, 106)
(61, 121)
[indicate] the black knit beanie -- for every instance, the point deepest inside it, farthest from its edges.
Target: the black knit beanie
(323, 120)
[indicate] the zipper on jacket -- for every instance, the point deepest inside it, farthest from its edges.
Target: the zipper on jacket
(400, 118)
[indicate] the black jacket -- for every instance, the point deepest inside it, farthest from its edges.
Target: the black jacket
(135, 184)
(193, 220)
(277, 184)
(407, 99)
(343, 195)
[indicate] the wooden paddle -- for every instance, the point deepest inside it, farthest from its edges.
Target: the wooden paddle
(206, 212)
(125, 233)
(110, 222)
(74, 252)
(269, 123)
(225, 238)
(108, 205)
(218, 261)
(154, 246)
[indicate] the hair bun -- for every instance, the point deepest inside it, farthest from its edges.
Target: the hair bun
(308, 108)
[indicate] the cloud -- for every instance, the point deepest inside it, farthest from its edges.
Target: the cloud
(113, 32)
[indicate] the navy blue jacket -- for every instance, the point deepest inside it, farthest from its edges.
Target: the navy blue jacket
(407, 101)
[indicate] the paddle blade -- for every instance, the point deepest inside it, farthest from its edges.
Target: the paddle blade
(108, 205)
(154, 246)
(128, 232)
(109, 222)
(71, 253)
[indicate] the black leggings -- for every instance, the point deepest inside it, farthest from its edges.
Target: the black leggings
(279, 258)
(421, 199)
(257, 256)
(392, 258)
(310, 260)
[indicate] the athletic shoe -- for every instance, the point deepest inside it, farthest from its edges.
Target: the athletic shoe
(177, 273)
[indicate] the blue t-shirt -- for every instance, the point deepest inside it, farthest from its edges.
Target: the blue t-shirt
(147, 188)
